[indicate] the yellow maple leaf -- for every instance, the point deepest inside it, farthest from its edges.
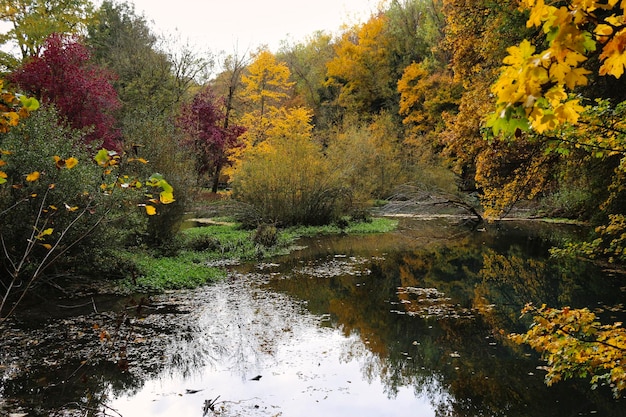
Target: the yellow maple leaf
(150, 210)
(577, 76)
(519, 54)
(569, 111)
(539, 12)
(614, 55)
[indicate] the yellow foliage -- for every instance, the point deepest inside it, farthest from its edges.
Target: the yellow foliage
(361, 68)
(573, 32)
(575, 344)
(266, 82)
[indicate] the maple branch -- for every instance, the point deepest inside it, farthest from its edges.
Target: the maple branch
(580, 339)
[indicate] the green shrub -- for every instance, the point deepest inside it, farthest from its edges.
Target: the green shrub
(266, 235)
(65, 201)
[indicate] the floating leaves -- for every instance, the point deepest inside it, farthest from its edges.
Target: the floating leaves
(429, 303)
(68, 163)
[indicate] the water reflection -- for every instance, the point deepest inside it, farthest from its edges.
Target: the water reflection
(438, 311)
(409, 323)
(263, 354)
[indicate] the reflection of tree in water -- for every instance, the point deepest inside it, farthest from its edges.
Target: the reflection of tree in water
(64, 365)
(458, 360)
(239, 327)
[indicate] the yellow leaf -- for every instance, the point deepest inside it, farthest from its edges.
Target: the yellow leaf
(58, 161)
(519, 54)
(150, 210)
(33, 176)
(69, 208)
(12, 118)
(166, 197)
(48, 231)
(47, 246)
(614, 56)
(71, 163)
(569, 111)
(3, 174)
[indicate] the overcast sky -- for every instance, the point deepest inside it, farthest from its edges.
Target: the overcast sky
(229, 25)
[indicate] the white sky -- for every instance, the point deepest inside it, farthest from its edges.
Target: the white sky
(243, 25)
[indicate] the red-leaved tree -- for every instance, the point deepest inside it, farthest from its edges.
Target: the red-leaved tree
(208, 133)
(82, 92)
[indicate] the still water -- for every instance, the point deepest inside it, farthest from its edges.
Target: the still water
(410, 323)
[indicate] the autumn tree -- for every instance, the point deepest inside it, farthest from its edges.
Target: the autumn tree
(427, 98)
(266, 85)
(477, 34)
(307, 63)
(31, 22)
(545, 96)
(362, 68)
(209, 134)
(64, 76)
(286, 180)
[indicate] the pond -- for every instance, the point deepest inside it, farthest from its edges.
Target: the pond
(407, 323)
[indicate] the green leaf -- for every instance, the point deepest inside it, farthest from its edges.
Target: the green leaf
(29, 103)
(102, 157)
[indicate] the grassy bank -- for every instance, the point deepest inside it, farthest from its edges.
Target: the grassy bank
(201, 253)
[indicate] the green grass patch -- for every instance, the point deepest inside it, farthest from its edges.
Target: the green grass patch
(188, 270)
(376, 225)
(199, 246)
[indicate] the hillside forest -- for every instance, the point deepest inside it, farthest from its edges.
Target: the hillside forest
(111, 132)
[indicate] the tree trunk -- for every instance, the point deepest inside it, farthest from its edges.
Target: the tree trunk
(216, 178)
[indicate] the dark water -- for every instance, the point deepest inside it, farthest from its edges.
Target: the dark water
(407, 323)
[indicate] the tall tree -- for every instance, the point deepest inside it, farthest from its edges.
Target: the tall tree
(266, 86)
(33, 21)
(477, 35)
(362, 68)
(149, 80)
(307, 64)
(63, 75)
(209, 134)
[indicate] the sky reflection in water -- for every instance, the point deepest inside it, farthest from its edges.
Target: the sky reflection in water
(307, 369)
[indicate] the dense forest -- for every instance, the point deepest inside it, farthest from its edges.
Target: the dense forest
(111, 132)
